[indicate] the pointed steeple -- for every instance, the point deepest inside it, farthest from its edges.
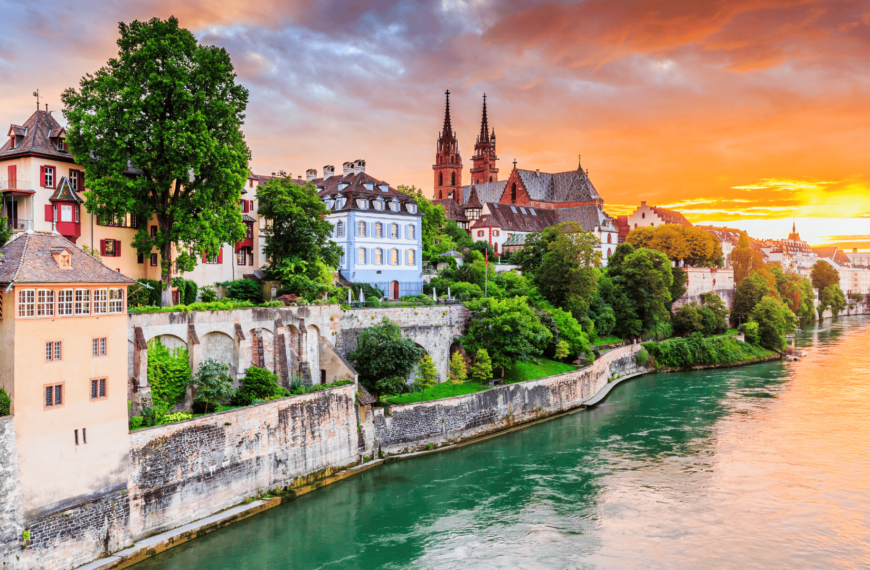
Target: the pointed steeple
(447, 130)
(484, 124)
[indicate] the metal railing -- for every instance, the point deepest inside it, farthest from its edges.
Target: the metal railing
(17, 225)
(15, 184)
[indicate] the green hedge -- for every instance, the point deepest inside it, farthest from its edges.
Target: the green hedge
(696, 350)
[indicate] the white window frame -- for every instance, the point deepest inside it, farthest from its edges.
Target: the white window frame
(361, 229)
(394, 231)
(83, 302)
(65, 303)
(361, 256)
(410, 232)
(49, 177)
(394, 256)
(379, 229)
(339, 229)
(116, 300)
(27, 303)
(66, 208)
(379, 256)
(101, 301)
(44, 303)
(412, 257)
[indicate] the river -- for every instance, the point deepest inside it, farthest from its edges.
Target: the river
(764, 466)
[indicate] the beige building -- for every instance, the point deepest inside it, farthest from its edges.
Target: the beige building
(64, 313)
(654, 216)
(43, 189)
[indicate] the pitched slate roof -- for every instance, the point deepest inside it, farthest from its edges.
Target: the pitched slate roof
(486, 191)
(473, 200)
(672, 217)
(27, 259)
(513, 218)
(833, 253)
(452, 210)
(38, 128)
(65, 192)
(571, 186)
(355, 185)
(589, 218)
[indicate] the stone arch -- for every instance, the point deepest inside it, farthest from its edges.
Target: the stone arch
(219, 346)
(170, 341)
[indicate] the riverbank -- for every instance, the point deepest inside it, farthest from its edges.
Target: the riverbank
(522, 406)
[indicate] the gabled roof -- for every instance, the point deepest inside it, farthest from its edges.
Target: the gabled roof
(65, 192)
(514, 218)
(28, 259)
(473, 201)
(571, 186)
(38, 128)
(355, 185)
(833, 253)
(671, 216)
(486, 191)
(589, 218)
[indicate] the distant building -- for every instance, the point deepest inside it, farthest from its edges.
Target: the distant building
(854, 279)
(793, 254)
(859, 259)
(727, 238)
(527, 201)
(655, 216)
(65, 314)
(377, 227)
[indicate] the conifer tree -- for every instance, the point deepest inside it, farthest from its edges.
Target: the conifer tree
(427, 375)
(481, 370)
(458, 372)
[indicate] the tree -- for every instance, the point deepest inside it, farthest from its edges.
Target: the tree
(832, 297)
(612, 292)
(170, 110)
(531, 257)
(682, 244)
(775, 320)
(458, 372)
(568, 272)
(5, 233)
(646, 280)
(748, 294)
(719, 311)
(570, 332)
(688, 319)
(508, 329)
(384, 357)
(561, 350)
(298, 236)
(746, 260)
(427, 375)
(824, 275)
(212, 382)
(481, 370)
(258, 384)
(432, 221)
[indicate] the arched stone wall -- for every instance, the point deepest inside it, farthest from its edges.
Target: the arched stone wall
(312, 352)
(170, 341)
(221, 347)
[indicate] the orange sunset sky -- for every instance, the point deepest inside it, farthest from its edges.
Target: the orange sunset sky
(750, 113)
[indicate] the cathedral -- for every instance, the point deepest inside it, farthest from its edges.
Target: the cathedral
(503, 212)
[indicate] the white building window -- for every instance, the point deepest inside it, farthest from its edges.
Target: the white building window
(83, 301)
(394, 231)
(116, 300)
(379, 229)
(361, 256)
(339, 229)
(45, 303)
(101, 297)
(379, 256)
(66, 213)
(394, 206)
(26, 303)
(412, 257)
(361, 229)
(65, 302)
(409, 232)
(394, 257)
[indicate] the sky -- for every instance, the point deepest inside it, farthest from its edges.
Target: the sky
(747, 113)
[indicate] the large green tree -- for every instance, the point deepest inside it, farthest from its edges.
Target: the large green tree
(158, 132)
(568, 272)
(298, 245)
(832, 297)
(384, 358)
(692, 246)
(748, 294)
(646, 280)
(508, 329)
(431, 223)
(745, 261)
(824, 275)
(775, 320)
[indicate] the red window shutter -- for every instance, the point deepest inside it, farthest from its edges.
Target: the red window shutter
(204, 258)
(117, 248)
(251, 205)
(102, 247)
(49, 213)
(221, 256)
(42, 176)
(12, 176)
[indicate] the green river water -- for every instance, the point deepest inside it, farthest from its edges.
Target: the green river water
(763, 466)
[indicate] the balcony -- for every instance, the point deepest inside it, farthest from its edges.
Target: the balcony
(17, 225)
(13, 185)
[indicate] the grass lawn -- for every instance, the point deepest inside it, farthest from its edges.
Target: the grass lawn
(732, 331)
(437, 392)
(522, 371)
(606, 340)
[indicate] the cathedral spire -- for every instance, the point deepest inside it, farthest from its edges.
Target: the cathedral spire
(484, 124)
(447, 131)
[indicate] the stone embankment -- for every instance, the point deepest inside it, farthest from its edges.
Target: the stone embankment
(414, 427)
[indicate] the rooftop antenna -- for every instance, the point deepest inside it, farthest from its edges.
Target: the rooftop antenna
(36, 94)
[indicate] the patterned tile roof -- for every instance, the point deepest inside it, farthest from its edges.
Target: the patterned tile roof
(65, 192)
(512, 218)
(28, 259)
(589, 218)
(672, 216)
(38, 129)
(452, 210)
(486, 191)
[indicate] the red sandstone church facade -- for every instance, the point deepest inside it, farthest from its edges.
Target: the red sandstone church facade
(503, 212)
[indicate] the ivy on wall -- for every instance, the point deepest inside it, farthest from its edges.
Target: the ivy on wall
(168, 372)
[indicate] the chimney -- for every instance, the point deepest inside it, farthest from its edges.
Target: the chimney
(643, 203)
(359, 166)
(854, 250)
(328, 171)
(310, 174)
(348, 168)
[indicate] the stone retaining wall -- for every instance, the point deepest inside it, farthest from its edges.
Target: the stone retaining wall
(11, 514)
(412, 427)
(189, 470)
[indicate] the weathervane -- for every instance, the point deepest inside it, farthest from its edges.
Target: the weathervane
(36, 94)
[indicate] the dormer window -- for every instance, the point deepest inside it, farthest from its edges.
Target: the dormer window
(61, 256)
(370, 186)
(362, 204)
(384, 188)
(412, 208)
(379, 204)
(394, 206)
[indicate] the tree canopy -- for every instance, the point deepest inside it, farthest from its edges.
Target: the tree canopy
(430, 224)
(568, 272)
(775, 320)
(824, 275)
(689, 245)
(384, 358)
(158, 132)
(748, 294)
(646, 278)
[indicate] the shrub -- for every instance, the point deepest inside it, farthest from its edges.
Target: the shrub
(368, 290)
(176, 417)
(641, 357)
(481, 370)
(146, 292)
(688, 319)
(274, 303)
(561, 350)
(207, 294)
(168, 372)
(258, 384)
(213, 383)
(696, 350)
(5, 402)
(190, 291)
(244, 290)
(136, 422)
(750, 332)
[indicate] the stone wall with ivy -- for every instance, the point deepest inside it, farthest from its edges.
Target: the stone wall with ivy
(11, 515)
